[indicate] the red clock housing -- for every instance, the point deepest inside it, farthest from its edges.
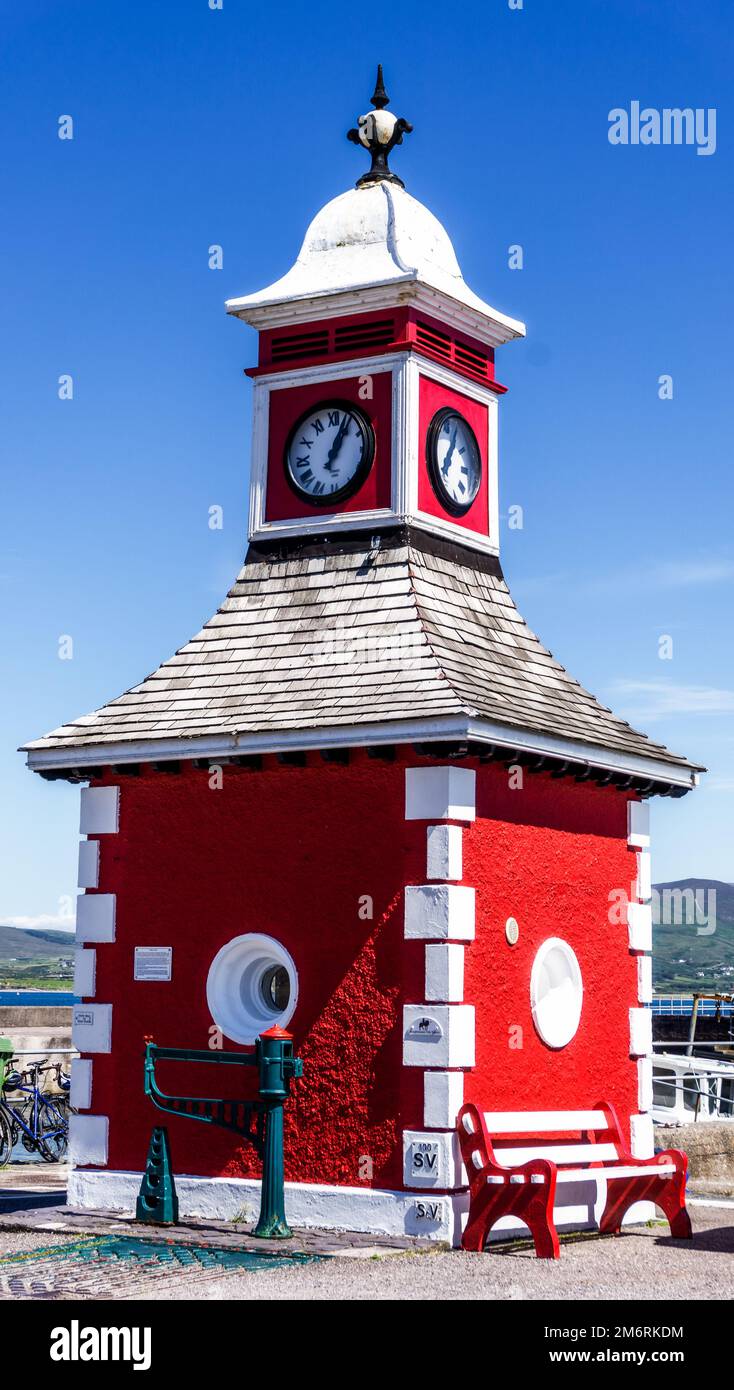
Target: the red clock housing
(432, 397)
(287, 404)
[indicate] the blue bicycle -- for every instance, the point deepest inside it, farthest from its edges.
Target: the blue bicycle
(38, 1119)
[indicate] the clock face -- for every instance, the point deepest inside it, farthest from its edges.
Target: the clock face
(329, 452)
(454, 460)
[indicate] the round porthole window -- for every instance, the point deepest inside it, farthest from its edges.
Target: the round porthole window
(251, 986)
(556, 992)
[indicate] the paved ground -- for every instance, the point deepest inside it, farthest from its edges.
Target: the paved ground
(74, 1257)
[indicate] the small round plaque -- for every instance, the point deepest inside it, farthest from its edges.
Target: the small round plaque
(512, 931)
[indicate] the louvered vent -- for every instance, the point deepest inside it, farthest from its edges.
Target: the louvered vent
(459, 355)
(359, 337)
(471, 361)
(433, 341)
(291, 347)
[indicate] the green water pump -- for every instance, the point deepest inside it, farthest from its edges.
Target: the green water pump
(259, 1121)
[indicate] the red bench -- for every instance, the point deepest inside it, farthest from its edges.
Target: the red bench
(511, 1174)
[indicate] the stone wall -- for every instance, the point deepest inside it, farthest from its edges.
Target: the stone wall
(710, 1149)
(38, 1032)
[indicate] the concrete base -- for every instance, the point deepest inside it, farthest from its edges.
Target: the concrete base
(312, 1206)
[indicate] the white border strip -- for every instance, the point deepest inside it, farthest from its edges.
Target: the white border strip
(315, 1206)
(308, 1205)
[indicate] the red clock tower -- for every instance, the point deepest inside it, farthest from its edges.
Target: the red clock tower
(364, 802)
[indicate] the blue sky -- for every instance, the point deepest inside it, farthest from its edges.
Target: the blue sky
(194, 127)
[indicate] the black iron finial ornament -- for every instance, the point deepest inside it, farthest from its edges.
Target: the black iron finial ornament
(379, 131)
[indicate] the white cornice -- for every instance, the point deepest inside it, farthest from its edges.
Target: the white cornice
(446, 727)
(492, 328)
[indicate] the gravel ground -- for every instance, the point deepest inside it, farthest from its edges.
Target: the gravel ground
(643, 1263)
(15, 1242)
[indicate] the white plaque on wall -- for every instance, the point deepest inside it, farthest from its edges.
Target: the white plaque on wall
(153, 962)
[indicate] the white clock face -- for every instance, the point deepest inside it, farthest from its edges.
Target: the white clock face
(329, 453)
(454, 461)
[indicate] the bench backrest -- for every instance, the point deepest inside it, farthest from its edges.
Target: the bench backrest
(568, 1128)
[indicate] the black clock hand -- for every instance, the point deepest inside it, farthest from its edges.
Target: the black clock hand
(336, 446)
(447, 460)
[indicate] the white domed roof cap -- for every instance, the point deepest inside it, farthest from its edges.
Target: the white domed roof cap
(388, 228)
(366, 242)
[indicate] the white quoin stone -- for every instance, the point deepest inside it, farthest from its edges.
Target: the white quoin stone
(443, 1097)
(441, 913)
(642, 1137)
(431, 1159)
(95, 917)
(100, 811)
(643, 881)
(639, 926)
(644, 979)
(638, 824)
(445, 972)
(81, 1083)
(443, 851)
(91, 1027)
(640, 1032)
(88, 1140)
(644, 1083)
(438, 1035)
(88, 876)
(440, 793)
(85, 970)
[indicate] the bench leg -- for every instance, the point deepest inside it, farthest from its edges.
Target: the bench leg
(666, 1193)
(476, 1231)
(536, 1214)
(672, 1201)
(543, 1231)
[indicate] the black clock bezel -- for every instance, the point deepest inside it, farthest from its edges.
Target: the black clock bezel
(368, 457)
(434, 471)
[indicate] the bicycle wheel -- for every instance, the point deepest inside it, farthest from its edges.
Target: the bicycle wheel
(6, 1140)
(53, 1132)
(25, 1111)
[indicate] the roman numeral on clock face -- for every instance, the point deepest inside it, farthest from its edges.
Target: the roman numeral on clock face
(329, 452)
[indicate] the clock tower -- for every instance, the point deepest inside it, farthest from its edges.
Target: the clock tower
(375, 396)
(364, 802)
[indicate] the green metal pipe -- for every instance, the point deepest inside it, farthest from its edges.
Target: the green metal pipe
(272, 1224)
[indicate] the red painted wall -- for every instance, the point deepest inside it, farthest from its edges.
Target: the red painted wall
(549, 855)
(288, 403)
(432, 396)
(290, 852)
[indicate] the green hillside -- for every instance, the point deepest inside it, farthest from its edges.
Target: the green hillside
(686, 953)
(36, 958)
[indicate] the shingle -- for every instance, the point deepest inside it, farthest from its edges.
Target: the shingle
(350, 637)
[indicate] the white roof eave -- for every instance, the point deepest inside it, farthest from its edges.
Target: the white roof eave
(463, 309)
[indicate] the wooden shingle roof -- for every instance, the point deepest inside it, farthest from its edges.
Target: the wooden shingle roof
(337, 642)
